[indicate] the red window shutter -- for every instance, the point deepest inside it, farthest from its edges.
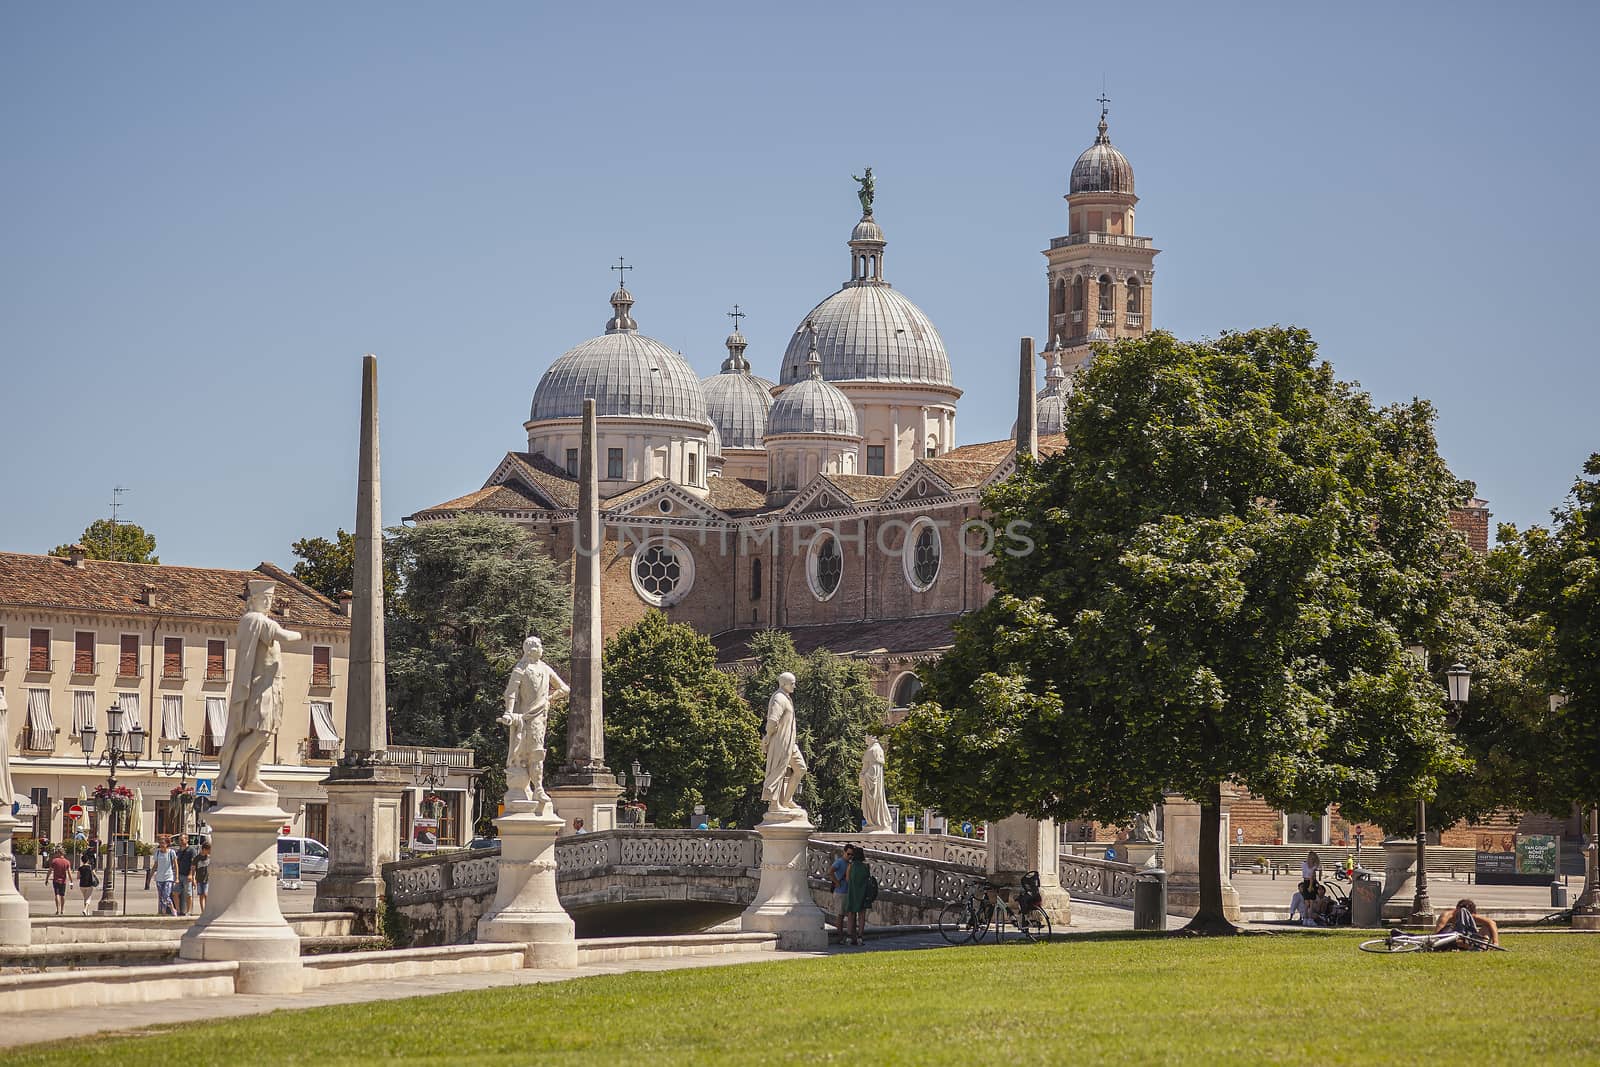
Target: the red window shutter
(83, 653)
(128, 666)
(216, 659)
(172, 658)
(321, 664)
(38, 650)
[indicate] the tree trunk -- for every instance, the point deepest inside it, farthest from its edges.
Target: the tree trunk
(1209, 919)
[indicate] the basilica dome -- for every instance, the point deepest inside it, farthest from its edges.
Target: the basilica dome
(737, 401)
(627, 374)
(1101, 168)
(813, 406)
(868, 331)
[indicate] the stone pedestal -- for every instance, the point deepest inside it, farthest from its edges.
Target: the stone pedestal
(1180, 851)
(1400, 880)
(595, 803)
(242, 920)
(363, 835)
(783, 904)
(14, 926)
(1018, 845)
(526, 909)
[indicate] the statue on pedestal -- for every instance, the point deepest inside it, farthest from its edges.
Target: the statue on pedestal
(1144, 830)
(785, 765)
(255, 701)
(532, 686)
(874, 799)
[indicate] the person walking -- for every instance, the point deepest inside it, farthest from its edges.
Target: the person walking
(184, 889)
(88, 877)
(60, 871)
(838, 871)
(166, 876)
(856, 874)
(202, 875)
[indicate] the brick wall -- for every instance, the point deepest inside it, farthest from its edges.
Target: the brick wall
(1472, 522)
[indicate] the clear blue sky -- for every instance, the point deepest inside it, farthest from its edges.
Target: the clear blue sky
(214, 210)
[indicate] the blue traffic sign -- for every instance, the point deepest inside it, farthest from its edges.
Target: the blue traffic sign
(202, 786)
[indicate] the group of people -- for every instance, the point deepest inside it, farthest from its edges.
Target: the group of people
(1311, 902)
(850, 874)
(182, 876)
(61, 875)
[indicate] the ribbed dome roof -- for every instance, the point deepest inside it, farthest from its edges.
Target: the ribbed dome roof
(867, 230)
(737, 403)
(1101, 168)
(870, 333)
(812, 405)
(627, 374)
(1050, 410)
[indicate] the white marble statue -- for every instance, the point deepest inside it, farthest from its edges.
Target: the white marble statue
(532, 686)
(785, 765)
(874, 799)
(255, 700)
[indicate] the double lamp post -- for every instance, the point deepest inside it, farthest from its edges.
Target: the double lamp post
(123, 749)
(1458, 683)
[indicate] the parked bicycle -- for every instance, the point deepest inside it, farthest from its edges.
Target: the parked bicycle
(1440, 942)
(983, 907)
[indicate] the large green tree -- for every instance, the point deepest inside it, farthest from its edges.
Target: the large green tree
(120, 542)
(668, 707)
(836, 706)
(1226, 565)
(470, 590)
(329, 567)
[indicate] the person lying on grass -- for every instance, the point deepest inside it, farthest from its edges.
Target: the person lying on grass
(1464, 919)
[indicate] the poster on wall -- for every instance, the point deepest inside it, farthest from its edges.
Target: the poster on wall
(424, 834)
(1517, 859)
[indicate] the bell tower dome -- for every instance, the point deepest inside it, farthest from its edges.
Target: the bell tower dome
(1101, 274)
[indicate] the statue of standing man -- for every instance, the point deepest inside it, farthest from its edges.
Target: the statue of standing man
(255, 700)
(785, 765)
(874, 797)
(868, 188)
(532, 686)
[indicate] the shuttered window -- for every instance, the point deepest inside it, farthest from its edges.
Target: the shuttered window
(172, 658)
(83, 652)
(38, 650)
(128, 662)
(216, 660)
(321, 665)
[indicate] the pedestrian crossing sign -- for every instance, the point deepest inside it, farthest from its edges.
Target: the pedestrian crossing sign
(202, 786)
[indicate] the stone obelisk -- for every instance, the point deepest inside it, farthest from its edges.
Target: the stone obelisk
(1027, 404)
(585, 788)
(363, 789)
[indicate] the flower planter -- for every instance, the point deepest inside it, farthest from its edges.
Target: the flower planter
(29, 862)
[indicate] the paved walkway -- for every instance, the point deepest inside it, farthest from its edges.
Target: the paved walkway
(35, 887)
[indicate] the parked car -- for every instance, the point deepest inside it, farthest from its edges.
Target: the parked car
(313, 856)
(484, 842)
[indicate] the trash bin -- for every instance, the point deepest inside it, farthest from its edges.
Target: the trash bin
(1366, 897)
(1558, 895)
(1150, 900)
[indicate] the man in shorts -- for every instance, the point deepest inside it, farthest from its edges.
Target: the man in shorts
(60, 871)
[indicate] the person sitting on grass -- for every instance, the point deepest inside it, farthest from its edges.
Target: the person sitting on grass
(1464, 921)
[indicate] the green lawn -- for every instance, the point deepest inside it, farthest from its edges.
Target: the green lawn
(1283, 998)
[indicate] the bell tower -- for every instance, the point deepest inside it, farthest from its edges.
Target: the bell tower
(1101, 274)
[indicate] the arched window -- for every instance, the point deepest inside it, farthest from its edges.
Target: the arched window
(921, 554)
(755, 578)
(1135, 295)
(1105, 292)
(824, 565)
(1077, 293)
(906, 688)
(1058, 299)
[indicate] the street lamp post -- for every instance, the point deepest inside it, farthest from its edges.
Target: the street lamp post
(430, 774)
(114, 756)
(635, 790)
(184, 762)
(1458, 680)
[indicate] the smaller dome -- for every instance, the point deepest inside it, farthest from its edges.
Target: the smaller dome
(736, 400)
(867, 230)
(1101, 168)
(1097, 334)
(714, 443)
(812, 405)
(1050, 409)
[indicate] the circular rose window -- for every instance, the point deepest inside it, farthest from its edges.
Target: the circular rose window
(663, 571)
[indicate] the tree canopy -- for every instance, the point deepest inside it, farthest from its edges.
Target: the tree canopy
(1229, 561)
(120, 542)
(470, 590)
(668, 707)
(835, 707)
(329, 567)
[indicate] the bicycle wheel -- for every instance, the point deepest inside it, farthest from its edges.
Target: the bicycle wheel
(983, 918)
(1388, 945)
(1036, 925)
(955, 922)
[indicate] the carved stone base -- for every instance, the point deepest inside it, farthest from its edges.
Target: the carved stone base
(783, 903)
(15, 929)
(1586, 921)
(1184, 899)
(526, 909)
(595, 803)
(1400, 882)
(364, 834)
(242, 920)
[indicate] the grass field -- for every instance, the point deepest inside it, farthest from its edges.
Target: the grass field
(1132, 998)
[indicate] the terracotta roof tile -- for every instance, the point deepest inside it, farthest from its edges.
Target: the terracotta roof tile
(118, 588)
(628, 496)
(545, 476)
(738, 494)
(863, 488)
(960, 473)
(995, 452)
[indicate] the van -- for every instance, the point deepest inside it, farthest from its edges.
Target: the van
(313, 856)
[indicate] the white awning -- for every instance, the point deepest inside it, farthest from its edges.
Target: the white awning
(171, 716)
(82, 711)
(322, 722)
(39, 721)
(23, 806)
(217, 718)
(129, 703)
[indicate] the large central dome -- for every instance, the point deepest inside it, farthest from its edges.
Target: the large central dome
(627, 374)
(868, 331)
